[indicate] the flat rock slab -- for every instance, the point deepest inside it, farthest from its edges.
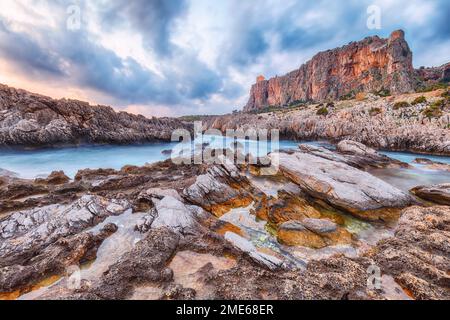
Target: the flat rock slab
(438, 193)
(342, 186)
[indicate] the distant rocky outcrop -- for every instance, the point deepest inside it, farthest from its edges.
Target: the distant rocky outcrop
(377, 122)
(30, 120)
(371, 65)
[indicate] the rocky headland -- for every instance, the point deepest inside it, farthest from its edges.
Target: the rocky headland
(32, 120)
(373, 65)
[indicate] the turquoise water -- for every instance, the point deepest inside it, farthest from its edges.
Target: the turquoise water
(40, 163)
(410, 157)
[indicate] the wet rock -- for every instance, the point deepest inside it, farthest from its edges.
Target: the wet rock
(433, 165)
(293, 233)
(25, 233)
(53, 260)
(438, 193)
(220, 189)
(320, 226)
(343, 186)
(167, 152)
(360, 156)
(312, 233)
(287, 207)
(246, 246)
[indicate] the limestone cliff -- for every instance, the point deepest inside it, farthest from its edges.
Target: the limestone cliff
(372, 64)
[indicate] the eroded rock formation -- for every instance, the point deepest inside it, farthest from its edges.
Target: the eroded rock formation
(180, 246)
(28, 119)
(372, 64)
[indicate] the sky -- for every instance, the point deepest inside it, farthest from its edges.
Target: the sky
(179, 57)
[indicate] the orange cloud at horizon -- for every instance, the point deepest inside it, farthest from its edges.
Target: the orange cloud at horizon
(11, 77)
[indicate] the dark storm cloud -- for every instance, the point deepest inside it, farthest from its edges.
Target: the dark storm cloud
(90, 65)
(251, 34)
(153, 19)
(26, 53)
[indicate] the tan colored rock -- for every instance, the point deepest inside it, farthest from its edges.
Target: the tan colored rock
(312, 233)
(55, 178)
(293, 233)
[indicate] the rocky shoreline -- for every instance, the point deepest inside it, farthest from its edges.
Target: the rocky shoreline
(221, 231)
(398, 123)
(32, 120)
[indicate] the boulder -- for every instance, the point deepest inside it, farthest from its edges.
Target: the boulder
(342, 186)
(221, 189)
(360, 156)
(438, 193)
(433, 165)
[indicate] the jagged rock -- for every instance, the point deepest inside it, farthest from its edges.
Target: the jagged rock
(372, 64)
(397, 130)
(219, 190)
(435, 74)
(168, 211)
(175, 215)
(342, 186)
(54, 260)
(28, 119)
(55, 178)
(158, 193)
(143, 264)
(246, 246)
(25, 233)
(439, 193)
(418, 255)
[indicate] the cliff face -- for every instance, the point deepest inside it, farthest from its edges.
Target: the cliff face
(372, 64)
(32, 120)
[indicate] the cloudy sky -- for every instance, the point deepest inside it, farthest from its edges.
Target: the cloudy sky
(177, 57)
